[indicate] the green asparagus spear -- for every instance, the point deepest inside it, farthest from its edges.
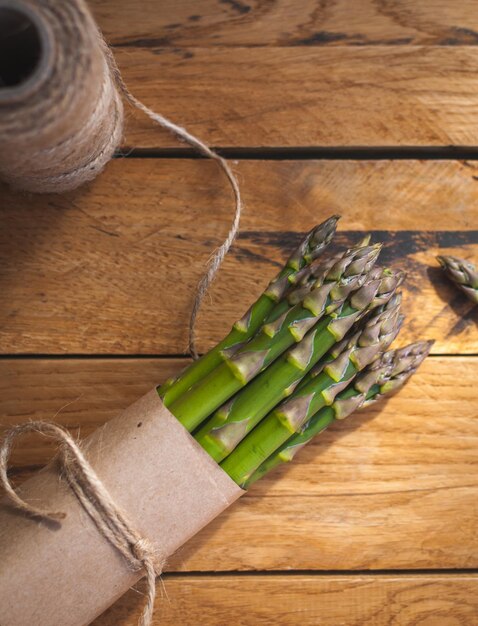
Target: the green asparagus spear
(309, 249)
(463, 273)
(344, 278)
(384, 376)
(290, 417)
(225, 429)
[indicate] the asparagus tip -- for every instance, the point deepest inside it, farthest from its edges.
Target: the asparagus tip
(463, 273)
(316, 240)
(365, 241)
(322, 234)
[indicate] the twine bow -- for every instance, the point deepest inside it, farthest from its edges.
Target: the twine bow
(110, 520)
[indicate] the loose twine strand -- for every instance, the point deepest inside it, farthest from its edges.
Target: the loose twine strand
(110, 520)
(181, 133)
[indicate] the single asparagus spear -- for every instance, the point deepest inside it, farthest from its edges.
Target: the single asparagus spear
(310, 248)
(360, 350)
(463, 273)
(225, 429)
(384, 376)
(345, 277)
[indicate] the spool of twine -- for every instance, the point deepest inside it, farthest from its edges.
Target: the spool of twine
(61, 116)
(61, 111)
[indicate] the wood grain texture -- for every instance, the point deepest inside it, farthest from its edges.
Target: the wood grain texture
(394, 487)
(301, 96)
(286, 22)
(408, 600)
(113, 267)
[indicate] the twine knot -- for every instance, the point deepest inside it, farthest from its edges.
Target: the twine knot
(110, 520)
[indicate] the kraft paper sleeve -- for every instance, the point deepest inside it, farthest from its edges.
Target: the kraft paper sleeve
(67, 575)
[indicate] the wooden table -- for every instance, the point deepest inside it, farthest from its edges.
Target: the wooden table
(366, 108)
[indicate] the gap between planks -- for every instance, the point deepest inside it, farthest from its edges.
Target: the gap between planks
(313, 153)
(322, 573)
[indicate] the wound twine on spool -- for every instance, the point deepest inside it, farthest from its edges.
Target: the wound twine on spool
(61, 113)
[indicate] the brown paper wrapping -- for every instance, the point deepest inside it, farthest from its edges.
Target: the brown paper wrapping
(155, 471)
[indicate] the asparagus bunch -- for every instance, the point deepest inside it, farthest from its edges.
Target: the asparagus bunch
(225, 429)
(299, 358)
(337, 303)
(463, 273)
(388, 374)
(295, 269)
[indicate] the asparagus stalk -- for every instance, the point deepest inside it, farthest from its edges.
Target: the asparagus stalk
(310, 248)
(463, 273)
(225, 429)
(384, 376)
(290, 417)
(345, 277)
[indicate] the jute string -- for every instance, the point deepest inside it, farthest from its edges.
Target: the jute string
(62, 127)
(218, 256)
(110, 520)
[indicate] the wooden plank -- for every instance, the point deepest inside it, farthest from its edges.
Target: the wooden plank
(286, 23)
(112, 268)
(393, 488)
(408, 600)
(301, 96)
